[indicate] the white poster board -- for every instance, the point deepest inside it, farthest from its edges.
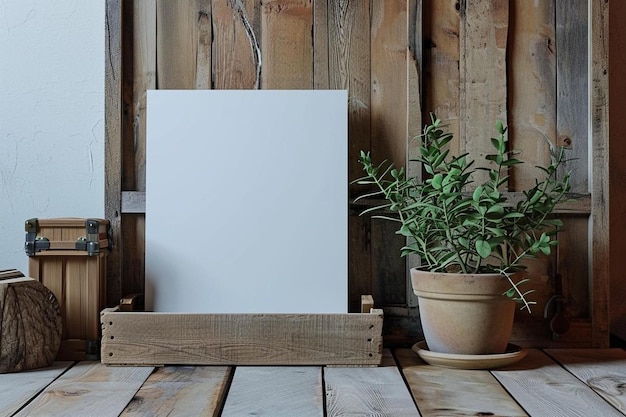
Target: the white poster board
(246, 201)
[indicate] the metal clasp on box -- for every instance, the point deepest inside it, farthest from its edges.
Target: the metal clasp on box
(33, 243)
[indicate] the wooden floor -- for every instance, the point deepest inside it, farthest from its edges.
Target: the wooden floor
(567, 382)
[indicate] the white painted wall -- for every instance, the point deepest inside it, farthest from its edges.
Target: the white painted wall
(51, 116)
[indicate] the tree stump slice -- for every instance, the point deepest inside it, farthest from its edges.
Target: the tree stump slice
(30, 323)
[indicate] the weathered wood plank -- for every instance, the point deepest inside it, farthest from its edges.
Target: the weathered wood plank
(483, 86)
(604, 370)
(18, 388)
(275, 392)
(183, 40)
(459, 392)
(236, 45)
(321, 75)
(532, 88)
(89, 389)
(286, 31)
(602, 263)
(181, 391)
(367, 391)
(113, 143)
(542, 388)
(241, 339)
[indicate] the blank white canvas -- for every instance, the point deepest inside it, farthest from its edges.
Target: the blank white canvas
(246, 201)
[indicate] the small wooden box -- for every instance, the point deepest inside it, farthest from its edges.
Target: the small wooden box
(142, 338)
(68, 255)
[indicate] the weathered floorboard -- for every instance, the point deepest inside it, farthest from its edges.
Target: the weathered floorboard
(604, 370)
(89, 389)
(459, 392)
(16, 389)
(275, 392)
(543, 388)
(181, 391)
(367, 391)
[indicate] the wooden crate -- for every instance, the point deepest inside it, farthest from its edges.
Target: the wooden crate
(68, 255)
(146, 338)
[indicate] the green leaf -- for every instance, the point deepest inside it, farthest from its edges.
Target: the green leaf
(483, 248)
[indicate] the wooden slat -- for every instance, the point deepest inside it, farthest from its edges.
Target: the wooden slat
(532, 86)
(367, 391)
(483, 40)
(184, 44)
(604, 370)
(236, 53)
(241, 339)
(543, 388)
(181, 391)
(286, 29)
(275, 392)
(113, 143)
(461, 392)
(18, 388)
(89, 389)
(602, 263)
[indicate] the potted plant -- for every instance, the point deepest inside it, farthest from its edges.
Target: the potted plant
(471, 239)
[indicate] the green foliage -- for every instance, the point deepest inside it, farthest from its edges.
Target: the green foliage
(453, 229)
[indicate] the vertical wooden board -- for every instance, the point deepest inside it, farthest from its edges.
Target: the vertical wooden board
(236, 52)
(572, 22)
(321, 75)
(89, 389)
(287, 44)
(275, 392)
(461, 392)
(442, 63)
(604, 370)
(18, 388)
(573, 265)
(359, 267)
(542, 388)
(367, 391)
(184, 44)
(389, 276)
(181, 391)
(483, 86)
(113, 141)
(601, 261)
(531, 73)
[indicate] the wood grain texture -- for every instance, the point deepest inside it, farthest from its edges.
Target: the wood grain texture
(89, 389)
(458, 392)
(18, 388)
(183, 40)
(236, 50)
(604, 370)
(367, 391)
(532, 79)
(601, 262)
(483, 99)
(275, 392)
(181, 391)
(30, 325)
(287, 45)
(241, 339)
(542, 388)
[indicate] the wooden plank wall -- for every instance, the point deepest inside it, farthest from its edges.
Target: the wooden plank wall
(516, 60)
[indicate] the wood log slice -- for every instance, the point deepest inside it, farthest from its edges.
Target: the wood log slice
(30, 323)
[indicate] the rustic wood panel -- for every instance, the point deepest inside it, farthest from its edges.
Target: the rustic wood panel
(367, 391)
(181, 391)
(18, 388)
(604, 370)
(275, 392)
(241, 339)
(286, 30)
(458, 392)
(531, 77)
(542, 387)
(483, 86)
(89, 389)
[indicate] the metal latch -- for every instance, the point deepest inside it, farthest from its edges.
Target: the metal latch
(33, 243)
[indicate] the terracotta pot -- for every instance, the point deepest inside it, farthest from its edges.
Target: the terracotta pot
(464, 314)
